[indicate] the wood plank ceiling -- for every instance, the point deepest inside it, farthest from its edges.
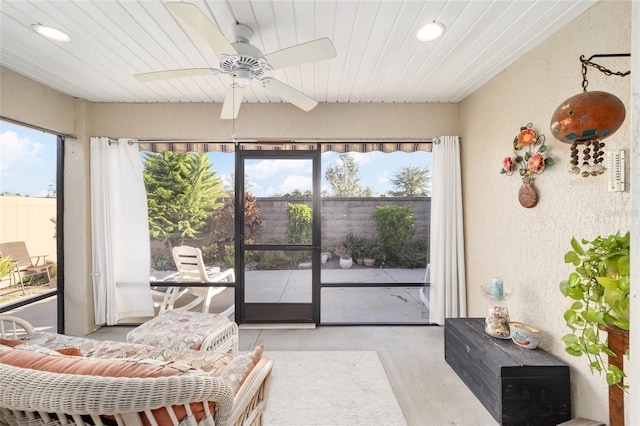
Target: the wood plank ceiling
(378, 57)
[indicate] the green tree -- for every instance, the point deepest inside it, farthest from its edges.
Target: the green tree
(182, 194)
(411, 181)
(294, 193)
(343, 177)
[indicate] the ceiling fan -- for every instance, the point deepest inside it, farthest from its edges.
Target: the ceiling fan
(243, 61)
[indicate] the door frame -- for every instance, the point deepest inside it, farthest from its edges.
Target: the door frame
(285, 312)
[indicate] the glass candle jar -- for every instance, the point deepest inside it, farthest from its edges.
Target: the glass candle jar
(496, 321)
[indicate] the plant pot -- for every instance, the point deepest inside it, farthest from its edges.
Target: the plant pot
(324, 257)
(360, 261)
(619, 343)
(346, 262)
(369, 261)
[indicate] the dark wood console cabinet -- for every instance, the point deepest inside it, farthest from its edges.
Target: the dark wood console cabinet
(518, 386)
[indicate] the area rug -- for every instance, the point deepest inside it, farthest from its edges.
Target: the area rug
(330, 388)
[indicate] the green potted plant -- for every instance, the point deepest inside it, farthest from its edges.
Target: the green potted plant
(355, 246)
(370, 249)
(599, 287)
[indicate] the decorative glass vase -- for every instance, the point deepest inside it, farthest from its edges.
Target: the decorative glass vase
(496, 323)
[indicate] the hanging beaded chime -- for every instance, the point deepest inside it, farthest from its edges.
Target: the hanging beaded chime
(585, 119)
(586, 168)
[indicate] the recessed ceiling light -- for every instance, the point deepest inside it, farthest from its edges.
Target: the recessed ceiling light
(51, 33)
(430, 31)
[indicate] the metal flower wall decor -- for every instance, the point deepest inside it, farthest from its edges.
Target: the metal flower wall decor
(529, 157)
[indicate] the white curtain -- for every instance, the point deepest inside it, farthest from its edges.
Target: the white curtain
(119, 232)
(448, 285)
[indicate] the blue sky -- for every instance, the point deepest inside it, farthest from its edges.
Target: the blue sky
(27, 160)
(28, 166)
(267, 177)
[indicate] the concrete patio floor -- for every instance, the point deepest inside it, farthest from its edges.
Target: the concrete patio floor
(339, 305)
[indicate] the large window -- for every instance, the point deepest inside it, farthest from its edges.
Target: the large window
(28, 206)
(374, 205)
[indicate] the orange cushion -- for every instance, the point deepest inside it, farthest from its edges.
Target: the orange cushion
(64, 351)
(85, 366)
(11, 342)
(70, 351)
(104, 368)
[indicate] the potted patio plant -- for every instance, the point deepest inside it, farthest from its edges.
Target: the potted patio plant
(599, 315)
(370, 251)
(345, 256)
(356, 246)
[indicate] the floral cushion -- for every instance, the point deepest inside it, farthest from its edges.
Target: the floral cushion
(177, 330)
(232, 368)
(99, 349)
(30, 346)
(239, 368)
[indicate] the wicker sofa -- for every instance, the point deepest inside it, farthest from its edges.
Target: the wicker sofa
(47, 378)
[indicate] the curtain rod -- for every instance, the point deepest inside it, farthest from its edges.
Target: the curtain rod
(279, 141)
(38, 128)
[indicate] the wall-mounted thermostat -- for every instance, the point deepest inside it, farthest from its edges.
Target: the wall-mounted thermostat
(615, 161)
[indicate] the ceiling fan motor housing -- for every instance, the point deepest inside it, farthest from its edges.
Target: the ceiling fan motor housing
(249, 59)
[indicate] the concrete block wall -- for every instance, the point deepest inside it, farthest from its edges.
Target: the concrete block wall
(340, 216)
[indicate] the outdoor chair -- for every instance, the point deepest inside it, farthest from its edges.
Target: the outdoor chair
(191, 269)
(426, 286)
(23, 262)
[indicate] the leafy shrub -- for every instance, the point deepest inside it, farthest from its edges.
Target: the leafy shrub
(395, 226)
(5, 266)
(274, 260)
(300, 220)
(210, 253)
(163, 262)
(53, 271)
(413, 255)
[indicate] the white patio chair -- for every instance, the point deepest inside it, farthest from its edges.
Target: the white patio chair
(191, 268)
(426, 285)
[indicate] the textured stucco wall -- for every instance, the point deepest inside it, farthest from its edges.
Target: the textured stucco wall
(526, 246)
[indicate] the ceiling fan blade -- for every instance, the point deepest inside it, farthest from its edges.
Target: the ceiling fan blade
(289, 94)
(311, 51)
(192, 18)
(163, 75)
(232, 102)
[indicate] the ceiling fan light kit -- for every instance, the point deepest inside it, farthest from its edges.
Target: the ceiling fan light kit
(51, 33)
(243, 61)
(431, 31)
